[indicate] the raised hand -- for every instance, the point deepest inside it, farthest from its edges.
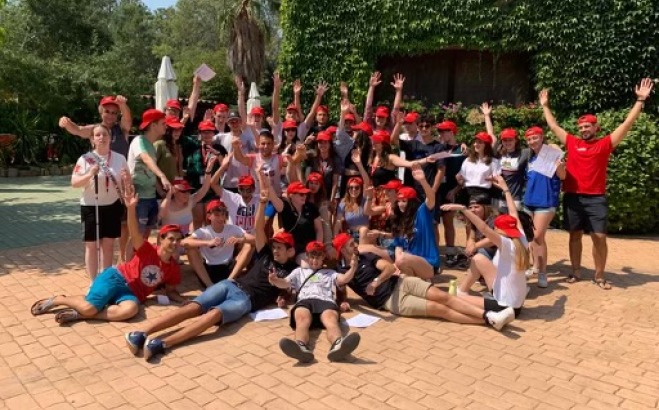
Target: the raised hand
(343, 89)
(417, 173)
(486, 108)
(121, 100)
(235, 142)
(130, 197)
(208, 115)
(276, 80)
(196, 81)
(240, 84)
(345, 106)
(499, 182)
(644, 89)
(297, 87)
(375, 79)
(65, 122)
(543, 97)
(356, 155)
(322, 88)
(400, 117)
(398, 82)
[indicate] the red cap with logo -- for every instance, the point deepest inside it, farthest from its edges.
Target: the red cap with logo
(297, 187)
(108, 100)
(246, 180)
(215, 204)
(206, 126)
(323, 136)
(381, 137)
(173, 103)
(290, 124)
(363, 126)
(485, 137)
(382, 111)
(169, 228)
(447, 126)
(315, 246)
(508, 134)
(589, 118)
(285, 238)
(173, 122)
(220, 108)
(507, 224)
(257, 111)
(340, 241)
(150, 116)
(406, 192)
(533, 131)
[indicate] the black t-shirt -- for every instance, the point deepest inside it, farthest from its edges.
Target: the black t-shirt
(453, 165)
(513, 170)
(255, 281)
(366, 272)
(415, 150)
(301, 226)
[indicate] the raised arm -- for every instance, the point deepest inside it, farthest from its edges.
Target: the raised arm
(297, 91)
(345, 278)
(126, 118)
(276, 92)
(500, 183)
(643, 91)
(486, 109)
(399, 119)
(356, 157)
(208, 180)
(398, 82)
(238, 152)
(71, 127)
(343, 89)
(476, 221)
(420, 177)
(373, 82)
(560, 133)
(242, 104)
(259, 219)
(321, 89)
(131, 199)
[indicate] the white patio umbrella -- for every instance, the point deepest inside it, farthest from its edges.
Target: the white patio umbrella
(166, 87)
(254, 99)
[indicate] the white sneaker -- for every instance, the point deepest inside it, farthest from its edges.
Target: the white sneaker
(500, 319)
(530, 272)
(542, 280)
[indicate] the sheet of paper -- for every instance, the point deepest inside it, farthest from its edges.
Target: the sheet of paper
(545, 163)
(162, 299)
(440, 155)
(268, 314)
(362, 320)
(205, 72)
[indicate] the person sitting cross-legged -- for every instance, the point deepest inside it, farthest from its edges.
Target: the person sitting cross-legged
(228, 300)
(116, 292)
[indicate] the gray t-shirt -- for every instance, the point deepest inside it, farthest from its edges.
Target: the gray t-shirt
(321, 285)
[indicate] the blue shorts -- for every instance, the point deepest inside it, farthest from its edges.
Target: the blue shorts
(539, 209)
(109, 288)
(147, 213)
(487, 252)
(228, 298)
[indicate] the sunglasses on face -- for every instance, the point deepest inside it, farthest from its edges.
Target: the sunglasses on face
(355, 188)
(425, 126)
(246, 190)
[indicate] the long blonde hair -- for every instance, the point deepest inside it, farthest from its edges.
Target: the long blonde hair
(521, 255)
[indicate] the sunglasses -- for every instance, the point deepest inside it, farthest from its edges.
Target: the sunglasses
(355, 187)
(245, 190)
(424, 126)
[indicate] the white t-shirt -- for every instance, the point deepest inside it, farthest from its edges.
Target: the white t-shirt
(272, 167)
(509, 287)
(107, 190)
(222, 254)
(406, 137)
(236, 169)
(321, 286)
(240, 213)
(476, 174)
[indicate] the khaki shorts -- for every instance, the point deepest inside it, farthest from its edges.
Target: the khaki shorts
(409, 297)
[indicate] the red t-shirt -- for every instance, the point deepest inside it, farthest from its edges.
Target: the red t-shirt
(146, 271)
(586, 166)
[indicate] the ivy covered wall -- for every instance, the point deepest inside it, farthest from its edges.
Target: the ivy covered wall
(588, 52)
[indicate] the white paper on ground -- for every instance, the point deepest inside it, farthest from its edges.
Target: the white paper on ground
(545, 163)
(204, 72)
(162, 299)
(362, 320)
(268, 314)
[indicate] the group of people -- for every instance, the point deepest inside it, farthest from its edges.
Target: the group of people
(273, 210)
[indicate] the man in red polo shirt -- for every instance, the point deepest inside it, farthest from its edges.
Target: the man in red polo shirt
(584, 203)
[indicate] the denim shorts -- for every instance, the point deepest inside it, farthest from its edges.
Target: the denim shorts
(147, 213)
(228, 298)
(539, 209)
(109, 288)
(487, 252)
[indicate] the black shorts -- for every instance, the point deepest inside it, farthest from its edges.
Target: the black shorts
(316, 307)
(465, 195)
(586, 213)
(218, 273)
(494, 306)
(109, 217)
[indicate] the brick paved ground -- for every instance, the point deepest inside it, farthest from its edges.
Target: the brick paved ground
(574, 346)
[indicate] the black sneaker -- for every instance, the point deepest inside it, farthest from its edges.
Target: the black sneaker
(451, 261)
(343, 346)
(153, 347)
(135, 341)
(296, 349)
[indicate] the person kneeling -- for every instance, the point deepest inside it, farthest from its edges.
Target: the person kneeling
(316, 306)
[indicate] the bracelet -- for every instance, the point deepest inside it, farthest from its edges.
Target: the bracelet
(639, 100)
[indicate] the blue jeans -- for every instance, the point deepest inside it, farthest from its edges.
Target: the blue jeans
(228, 298)
(147, 213)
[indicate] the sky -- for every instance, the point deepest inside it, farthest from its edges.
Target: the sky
(156, 4)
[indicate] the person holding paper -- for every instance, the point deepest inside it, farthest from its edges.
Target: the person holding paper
(584, 202)
(513, 160)
(226, 301)
(540, 201)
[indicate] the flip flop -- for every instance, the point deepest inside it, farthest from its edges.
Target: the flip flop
(42, 306)
(66, 316)
(571, 278)
(602, 284)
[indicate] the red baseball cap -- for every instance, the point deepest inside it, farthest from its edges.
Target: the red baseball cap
(315, 177)
(246, 180)
(220, 108)
(181, 185)
(392, 184)
(297, 187)
(590, 118)
(315, 246)
(447, 126)
(363, 126)
(291, 107)
(206, 126)
(331, 129)
(290, 124)
(382, 111)
(257, 111)
(406, 192)
(173, 122)
(108, 100)
(173, 103)
(411, 117)
(340, 241)
(349, 117)
(381, 137)
(215, 204)
(169, 228)
(150, 116)
(285, 238)
(322, 108)
(485, 137)
(507, 224)
(533, 131)
(323, 136)
(508, 134)
(356, 180)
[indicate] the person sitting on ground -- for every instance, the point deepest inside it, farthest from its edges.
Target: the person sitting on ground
(316, 306)
(115, 294)
(228, 300)
(211, 247)
(379, 284)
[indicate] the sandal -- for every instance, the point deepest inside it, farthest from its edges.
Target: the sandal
(42, 306)
(602, 283)
(572, 278)
(66, 316)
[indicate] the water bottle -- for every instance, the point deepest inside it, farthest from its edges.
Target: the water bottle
(453, 287)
